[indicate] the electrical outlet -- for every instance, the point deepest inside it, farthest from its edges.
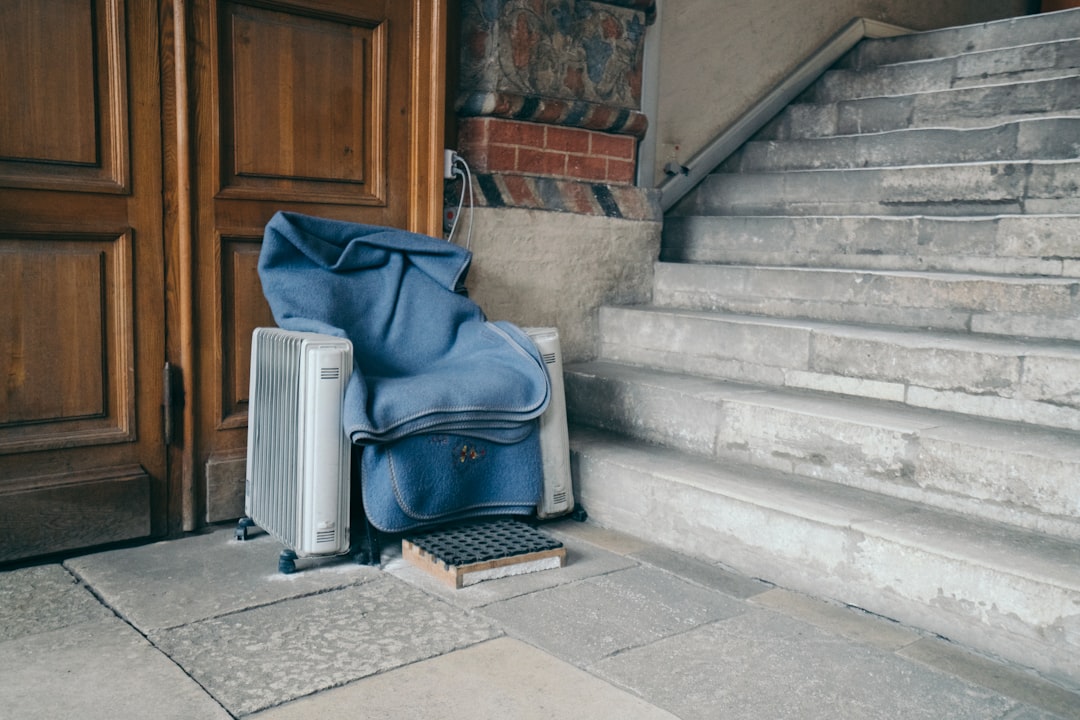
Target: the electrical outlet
(448, 163)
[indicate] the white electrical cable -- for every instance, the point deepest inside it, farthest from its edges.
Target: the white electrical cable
(466, 178)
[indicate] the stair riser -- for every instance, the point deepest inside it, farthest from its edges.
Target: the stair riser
(1056, 139)
(1005, 382)
(854, 560)
(1035, 308)
(949, 190)
(1048, 245)
(954, 41)
(973, 107)
(909, 457)
(1041, 61)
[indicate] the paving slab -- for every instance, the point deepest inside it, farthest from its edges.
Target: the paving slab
(97, 669)
(262, 657)
(765, 665)
(500, 679)
(43, 598)
(1042, 696)
(175, 582)
(848, 622)
(702, 573)
(592, 619)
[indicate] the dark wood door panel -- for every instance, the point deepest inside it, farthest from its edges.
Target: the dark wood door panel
(63, 95)
(303, 104)
(82, 458)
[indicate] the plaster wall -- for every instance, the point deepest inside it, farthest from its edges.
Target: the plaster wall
(718, 57)
(542, 268)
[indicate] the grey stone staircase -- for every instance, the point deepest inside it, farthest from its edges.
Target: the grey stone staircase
(859, 376)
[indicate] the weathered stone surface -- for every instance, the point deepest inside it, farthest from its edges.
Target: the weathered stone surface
(611, 613)
(268, 655)
(694, 683)
(101, 669)
(520, 255)
(181, 581)
(43, 598)
(495, 680)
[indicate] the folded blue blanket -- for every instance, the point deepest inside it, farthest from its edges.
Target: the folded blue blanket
(428, 479)
(427, 360)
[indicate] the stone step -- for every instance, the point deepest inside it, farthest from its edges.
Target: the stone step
(1033, 139)
(1037, 61)
(961, 108)
(1029, 382)
(1002, 305)
(1036, 187)
(997, 34)
(1005, 592)
(1014, 244)
(1005, 472)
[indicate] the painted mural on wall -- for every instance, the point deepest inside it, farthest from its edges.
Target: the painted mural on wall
(578, 51)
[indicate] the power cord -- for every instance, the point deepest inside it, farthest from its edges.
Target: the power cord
(456, 167)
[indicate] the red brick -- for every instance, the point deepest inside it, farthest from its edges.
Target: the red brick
(520, 192)
(616, 146)
(538, 162)
(514, 132)
(578, 193)
(586, 167)
(477, 158)
(567, 140)
(501, 158)
(550, 111)
(620, 171)
(473, 131)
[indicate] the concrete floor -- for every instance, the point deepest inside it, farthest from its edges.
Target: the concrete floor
(205, 627)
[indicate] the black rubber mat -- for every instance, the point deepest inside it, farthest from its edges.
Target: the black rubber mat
(483, 541)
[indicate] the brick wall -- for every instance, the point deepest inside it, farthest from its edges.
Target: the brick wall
(494, 145)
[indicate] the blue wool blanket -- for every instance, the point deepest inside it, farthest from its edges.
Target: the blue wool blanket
(426, 358)
(443, 401)
(434, 478)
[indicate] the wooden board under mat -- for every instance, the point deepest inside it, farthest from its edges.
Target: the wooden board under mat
(468, 554)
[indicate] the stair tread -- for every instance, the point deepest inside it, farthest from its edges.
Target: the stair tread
(1056, 137)
(910, 337)
(1006, 32)
(973, 540)
(960, 107)
(1026, 439)
(959, 276)
(970, 68)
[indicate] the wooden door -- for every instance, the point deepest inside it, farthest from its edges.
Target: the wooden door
(82, 459)
(325, 107)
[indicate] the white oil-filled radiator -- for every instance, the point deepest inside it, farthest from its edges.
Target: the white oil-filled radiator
(298, 456)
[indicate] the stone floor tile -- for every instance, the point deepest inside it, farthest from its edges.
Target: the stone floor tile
(849, 622)
(98, 669)
(702, 573)
(594, 618)
(497, 680)
(43, 598)
(176, 582)
(950, 658)
(764, 664)
(265, 656)
(610, 540)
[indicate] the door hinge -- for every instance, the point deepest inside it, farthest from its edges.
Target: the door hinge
(172, 393)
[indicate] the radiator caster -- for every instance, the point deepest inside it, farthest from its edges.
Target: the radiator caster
(242, 528)
(286, 562)
(579, 514)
